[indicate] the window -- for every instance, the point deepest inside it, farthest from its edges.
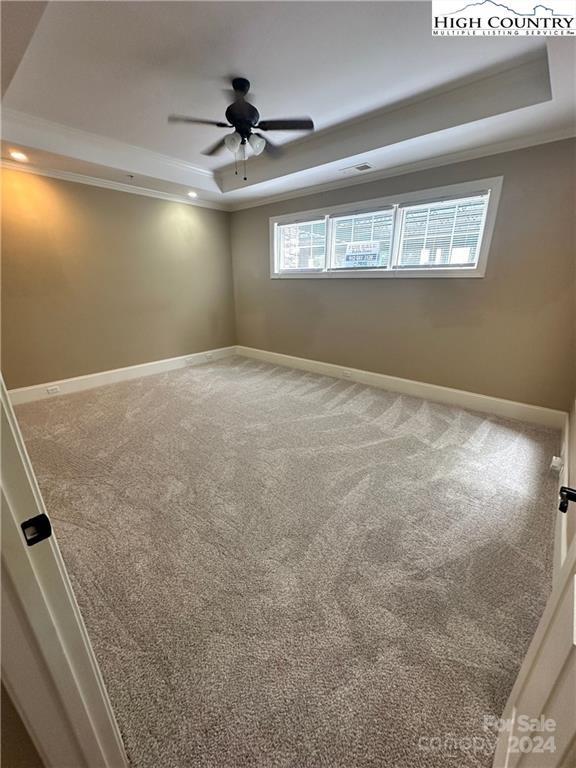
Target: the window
(302, 246)
(442, 234)
(437, 233)
(362, 240)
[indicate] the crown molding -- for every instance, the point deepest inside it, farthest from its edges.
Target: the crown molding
(525, 83)
(231, 204)
(23, 118)
(401, 170)
(34, 132)
(117, 186)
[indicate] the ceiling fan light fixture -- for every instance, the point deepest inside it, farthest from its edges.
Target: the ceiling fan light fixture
(232, 142)
(257, 144)
(244, 118)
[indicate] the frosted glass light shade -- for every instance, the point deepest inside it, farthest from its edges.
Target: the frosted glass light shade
(232, 142)
(257, 144)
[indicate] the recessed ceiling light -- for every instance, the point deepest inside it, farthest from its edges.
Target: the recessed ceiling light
(19, 156)
(192, 194)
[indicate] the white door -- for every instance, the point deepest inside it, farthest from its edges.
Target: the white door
(538, 727)
(48, 665)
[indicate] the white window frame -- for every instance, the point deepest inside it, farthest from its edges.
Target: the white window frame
(451, 192)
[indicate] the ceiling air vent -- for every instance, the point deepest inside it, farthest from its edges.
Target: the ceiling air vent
(354, 169)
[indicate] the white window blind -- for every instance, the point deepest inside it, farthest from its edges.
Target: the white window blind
(446, 233)
(302, 246)
(362, 240)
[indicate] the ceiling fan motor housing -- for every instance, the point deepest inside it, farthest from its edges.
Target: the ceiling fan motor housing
(243, 116)
(241, 85)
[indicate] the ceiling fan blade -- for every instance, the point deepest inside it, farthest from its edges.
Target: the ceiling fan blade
(302, 124)
(274, 150)
(215, 148)
(196, 121)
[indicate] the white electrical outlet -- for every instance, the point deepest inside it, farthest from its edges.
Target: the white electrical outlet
(347, 374)
(208, 355)
(557, 464)
(53, 390)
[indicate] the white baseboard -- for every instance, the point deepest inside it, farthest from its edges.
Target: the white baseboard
(472, 401)
(91, 380)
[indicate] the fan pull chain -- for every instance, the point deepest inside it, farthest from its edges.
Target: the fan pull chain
(236, 163)
(244, 156)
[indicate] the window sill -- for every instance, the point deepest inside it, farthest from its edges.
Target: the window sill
(371, 274)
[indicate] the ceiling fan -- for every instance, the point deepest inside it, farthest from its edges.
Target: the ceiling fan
(244, 118)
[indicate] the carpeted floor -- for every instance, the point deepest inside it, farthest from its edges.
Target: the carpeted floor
(282, 569)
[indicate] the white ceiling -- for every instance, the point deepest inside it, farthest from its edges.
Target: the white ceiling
(98, 80)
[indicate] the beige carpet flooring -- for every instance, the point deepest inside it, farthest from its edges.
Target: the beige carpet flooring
(282, 569)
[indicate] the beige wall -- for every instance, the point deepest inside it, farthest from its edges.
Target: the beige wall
(94, 279)
(510, 334)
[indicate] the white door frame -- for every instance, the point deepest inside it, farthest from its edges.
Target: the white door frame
(563, 532)
(546, 682)
(48, 665)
